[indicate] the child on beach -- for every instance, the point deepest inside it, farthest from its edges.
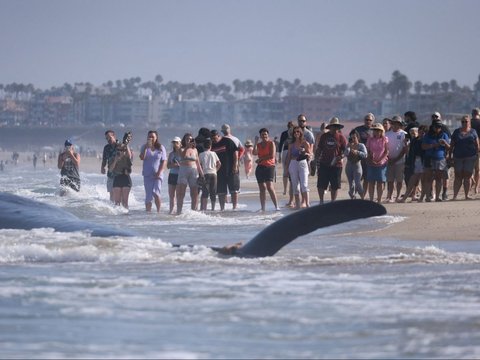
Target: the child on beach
(248, 158)
(210, 164)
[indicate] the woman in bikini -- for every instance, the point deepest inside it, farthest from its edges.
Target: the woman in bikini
(188, 172)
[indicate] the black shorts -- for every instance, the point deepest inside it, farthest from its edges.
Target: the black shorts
(70, 182)
(232, 181)
(329, 175)
(172, 179)
(121, 181)
(264, 173)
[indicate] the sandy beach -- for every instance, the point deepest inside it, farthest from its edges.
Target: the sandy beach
(448, 220)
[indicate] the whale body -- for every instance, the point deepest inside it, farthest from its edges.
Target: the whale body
(21, 213)
(17, 212)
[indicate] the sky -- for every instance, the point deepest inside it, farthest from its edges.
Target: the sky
(51, 42)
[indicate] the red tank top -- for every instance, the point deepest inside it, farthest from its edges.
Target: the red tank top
(263, 150)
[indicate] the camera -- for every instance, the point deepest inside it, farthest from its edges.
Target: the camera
(127, 137)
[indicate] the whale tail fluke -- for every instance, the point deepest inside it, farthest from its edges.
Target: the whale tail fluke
(275, 236)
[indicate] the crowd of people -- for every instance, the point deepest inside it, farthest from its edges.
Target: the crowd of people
(377, 158)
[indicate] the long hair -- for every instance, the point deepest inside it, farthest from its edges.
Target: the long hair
(295, 128)
(184, 142)
(157, 144)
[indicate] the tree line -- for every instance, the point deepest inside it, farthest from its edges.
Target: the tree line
(399, 87)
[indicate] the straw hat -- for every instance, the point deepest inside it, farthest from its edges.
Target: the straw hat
(378, 126)
(334, 122)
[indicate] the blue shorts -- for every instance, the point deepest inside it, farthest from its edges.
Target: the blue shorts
(377, 173)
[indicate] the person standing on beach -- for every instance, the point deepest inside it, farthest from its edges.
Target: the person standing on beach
(411, 120)
(377, 157)
(188, 173)
(437, 118)
(396, 158)
(354, 153)
(121, 168)
(107, 158)
(331, 148)
(68, 163)
(227, 132)
(210, 164)
(248, 158)
(435, 143)
(464, 147)
(227, 175)
(365, 131)
(154, 158)
(298, 153)
(476, 126)
(173, 165)
(308, 136)
(265, 171)
(282, 150)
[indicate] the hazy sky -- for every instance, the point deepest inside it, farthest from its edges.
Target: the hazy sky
(50, 42)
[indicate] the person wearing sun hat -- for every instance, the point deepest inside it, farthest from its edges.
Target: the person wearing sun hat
(331, 148)
(377, 157)
(68, 163)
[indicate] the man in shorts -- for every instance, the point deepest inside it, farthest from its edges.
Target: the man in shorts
(397, 148)
(109, 152)
(228, 174)
(475, 123)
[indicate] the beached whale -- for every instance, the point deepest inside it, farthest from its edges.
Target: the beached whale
(17, 212)
(20, 213)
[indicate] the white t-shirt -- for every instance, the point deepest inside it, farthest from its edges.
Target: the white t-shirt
(208, 161)
(396, 143)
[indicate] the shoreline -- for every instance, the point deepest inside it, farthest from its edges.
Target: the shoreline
(444, 221)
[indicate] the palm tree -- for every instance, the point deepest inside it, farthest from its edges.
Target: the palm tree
(435, 87)
(454, 86)
(418, 87)
(259, 87)
(268, 88)
(359, 87)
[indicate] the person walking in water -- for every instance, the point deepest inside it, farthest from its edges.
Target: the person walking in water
(68, 163)
(173, 165)
(121, 167)
(107, 158)
(154, 158)
(210, 164)
(265, 171)
(188, 173)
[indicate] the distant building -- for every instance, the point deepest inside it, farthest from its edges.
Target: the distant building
(317, 108)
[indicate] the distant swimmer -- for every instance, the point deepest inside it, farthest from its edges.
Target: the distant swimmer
(68, 163)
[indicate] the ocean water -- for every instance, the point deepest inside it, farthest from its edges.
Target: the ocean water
(338, 292)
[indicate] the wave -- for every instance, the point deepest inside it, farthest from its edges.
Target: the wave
(47, 246)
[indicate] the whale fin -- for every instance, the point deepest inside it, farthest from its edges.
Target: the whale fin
(275, 236)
